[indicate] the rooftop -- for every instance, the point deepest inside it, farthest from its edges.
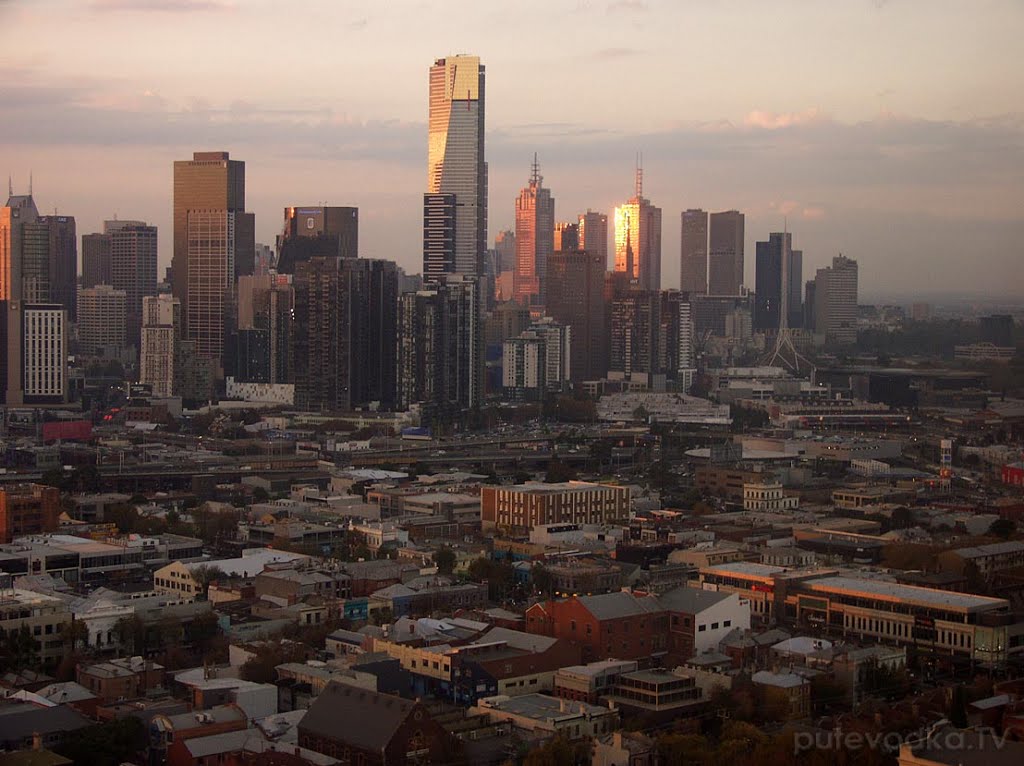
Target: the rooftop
(993, 549)
(744, 568)
(541, 707)
(782, 680)
(907, 594)
(612, 606)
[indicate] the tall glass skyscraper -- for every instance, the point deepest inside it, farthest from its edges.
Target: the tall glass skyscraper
(455, 203)
(638, 239)
(535, 226)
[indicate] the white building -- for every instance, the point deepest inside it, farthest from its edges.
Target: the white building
(714, 614)
(161, 322)
(768, 496)
(45, 353)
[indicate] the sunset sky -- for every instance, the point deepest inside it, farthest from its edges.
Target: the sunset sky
(889, 130)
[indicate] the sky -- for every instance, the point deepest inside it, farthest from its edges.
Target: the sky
(891, 131)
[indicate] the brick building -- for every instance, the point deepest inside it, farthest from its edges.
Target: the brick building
(28, 509)
(524, 506)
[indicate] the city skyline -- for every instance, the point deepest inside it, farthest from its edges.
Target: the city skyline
(927, 152)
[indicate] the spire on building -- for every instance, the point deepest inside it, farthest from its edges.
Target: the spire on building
(639, 174)
(535, 176)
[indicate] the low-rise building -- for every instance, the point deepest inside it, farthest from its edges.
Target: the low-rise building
(795, 688)
(656, 692)
(524, 506)
(541, 713)
(122, 678)
(39, 617)
(986, 560)
(768, 496)
(588, 683)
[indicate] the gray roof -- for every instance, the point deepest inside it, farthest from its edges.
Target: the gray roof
(67, 691)
(611, 606)
(517, 639)
(20, 720)
(909, 594)
(363, 719)
(993, 549)
(691, 600)
(783, 680)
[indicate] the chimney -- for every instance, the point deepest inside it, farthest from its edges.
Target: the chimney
(37, 741)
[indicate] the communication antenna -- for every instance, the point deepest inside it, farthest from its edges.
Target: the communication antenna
(639, 174)
(535, 176)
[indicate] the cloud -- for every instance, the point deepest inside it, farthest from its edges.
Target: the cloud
(616, 53)
(628, 6)
(776, 120)
(161, 6)
(812, 213)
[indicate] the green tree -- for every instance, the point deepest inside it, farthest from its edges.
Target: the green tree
(268, 655)
(1002, 528)
(204, 574)
(72, 633)
(106, 744)
(542, 579)
(131, 634)
(445, 559)
(560, 751)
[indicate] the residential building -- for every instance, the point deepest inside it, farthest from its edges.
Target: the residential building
(612, 625)
(725, 253)
(42, 617)
(121, 678)
(44, 347)
(537, 361)
(379, 730)
(550, 715)
(794, 688)
(625, 748)
(161, 330)
(101, 320)
(535, 228)
(638, 239)
(524, 506)
(455, 203)
(693, 252)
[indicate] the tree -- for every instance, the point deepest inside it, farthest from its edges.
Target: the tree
(131, 634)
(560, 751)
(1002, 528)
(543, 580)
(958, 707)
(18, 649)
(106, 744)
(204, 574)
(72, 633)
(559, 471)
(445, 559)
(828, 694)
(901, 518)
(203, 630)
(684, 748)
(268, 655)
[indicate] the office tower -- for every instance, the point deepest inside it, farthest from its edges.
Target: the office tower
(50, 261)
(161, 327)
(594, 234)
(537, 361)
(263, 260)
(210, 182)
(455, 203)
(693, 252)
(344, 337)
(133, 255)
(725, 253)
(95, 260)
(535, 231)
(507, 320)
(319, 231)
(768, 283)
(638, 239)
(505, 246)
(835, 301)
(997, 329)
(101, 321)
(19, 210)
(45, 353)
(635, 333)
(567, 237)
(439, 349)
(210, 307)
(576, 299)
(810, 287)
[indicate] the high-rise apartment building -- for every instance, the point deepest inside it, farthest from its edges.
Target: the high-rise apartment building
(535, 230)
(725, 253)
(567, 237)
(693, 252)
(439, 347)
(835, 301)
(101, 320)
(537, 361)
(161, 328)
(768, 283)
(576, 299)
(133, 256)
(455, 203)
(210, 181)
(343, 340)
(638, 239)
(317, 231)
(635, 333)
(266, 302)
(95, 260)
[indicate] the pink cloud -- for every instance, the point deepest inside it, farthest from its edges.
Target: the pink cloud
(776, 120)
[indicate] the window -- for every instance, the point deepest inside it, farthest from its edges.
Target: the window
(572, 625)
(714, 626)
(701, 628)
(727, 624)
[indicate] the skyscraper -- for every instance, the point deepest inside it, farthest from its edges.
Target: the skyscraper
(210, 307)
(505, 246)
(19, 210)
(210, 181)
(317, 231)
(725, 253)
(638, 239)
(594, 234)
(101, 320)
(49, 267)
(45, 353)
(439, 347)
(567, 237)
(456, 198)
(768, 283)
(693, 252)
(835, 301)
(133, 254)
(344, 339)
(576, 299)
(95, 260)
(535, 229)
